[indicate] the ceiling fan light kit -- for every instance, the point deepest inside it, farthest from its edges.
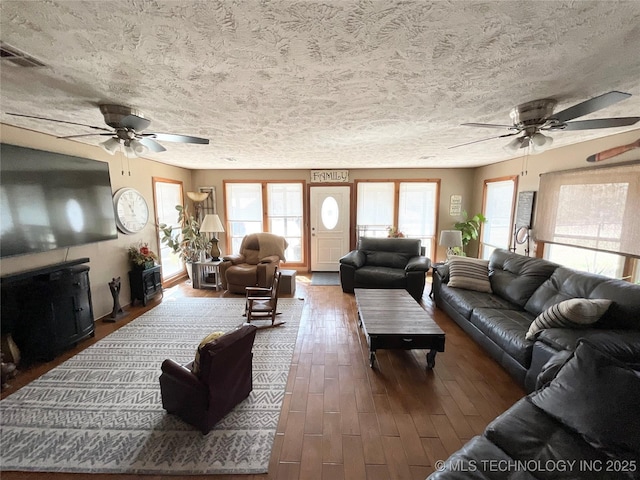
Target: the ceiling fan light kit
(110, 145)
(531, 118)
(126, 125)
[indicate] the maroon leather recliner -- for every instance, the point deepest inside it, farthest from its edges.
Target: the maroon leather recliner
(224, 380)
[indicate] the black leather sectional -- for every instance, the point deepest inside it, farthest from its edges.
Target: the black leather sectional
(523, 287)
(582, 424)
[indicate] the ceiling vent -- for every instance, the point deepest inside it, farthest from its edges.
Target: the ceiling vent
(12, 56)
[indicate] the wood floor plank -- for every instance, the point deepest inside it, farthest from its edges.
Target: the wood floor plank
(371, 438)
(311, 462)
(354, 466)
(332, 471)
(396, 458)
(314, 416)
(331, 438)
(410, 440)
(293, 434)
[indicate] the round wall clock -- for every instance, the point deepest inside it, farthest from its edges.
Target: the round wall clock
(131, 210)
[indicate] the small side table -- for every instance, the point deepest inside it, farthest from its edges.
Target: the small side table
(145, 284)
(206, 274)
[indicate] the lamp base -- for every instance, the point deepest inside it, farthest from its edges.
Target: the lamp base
(215, 250)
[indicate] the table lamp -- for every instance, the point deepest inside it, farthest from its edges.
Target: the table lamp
(212, 224)
(450, 239)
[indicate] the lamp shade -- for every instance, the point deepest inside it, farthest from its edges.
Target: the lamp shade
(211, 224)
(451, 238)
(200, 197)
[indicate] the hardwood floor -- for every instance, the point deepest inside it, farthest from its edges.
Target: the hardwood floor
(342, 420)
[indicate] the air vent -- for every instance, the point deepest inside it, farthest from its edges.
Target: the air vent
(12, 56)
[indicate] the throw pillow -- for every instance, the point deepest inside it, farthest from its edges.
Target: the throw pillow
(469, 273)
(597, 396)
(209, 338)
(572, 313)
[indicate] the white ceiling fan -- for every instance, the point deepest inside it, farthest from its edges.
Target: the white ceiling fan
(127, 125)
(533, 118)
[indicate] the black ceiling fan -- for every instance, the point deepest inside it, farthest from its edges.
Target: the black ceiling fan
(127, 125)
(532, 118)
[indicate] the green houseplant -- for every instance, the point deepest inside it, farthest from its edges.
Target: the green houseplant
(189, 243)
(470, 228)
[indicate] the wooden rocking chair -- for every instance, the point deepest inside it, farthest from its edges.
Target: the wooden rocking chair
(263, 302)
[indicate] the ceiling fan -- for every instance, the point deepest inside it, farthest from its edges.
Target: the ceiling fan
(532, 118)
(126, 125)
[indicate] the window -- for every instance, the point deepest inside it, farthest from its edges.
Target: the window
(417, 212)
(283, 204)
(602, 263)
(375, 208)
(409, 205)
(285, 216)
(168, 194)
(590, 217)
(498, 207)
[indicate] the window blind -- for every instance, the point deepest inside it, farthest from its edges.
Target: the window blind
(595, 208)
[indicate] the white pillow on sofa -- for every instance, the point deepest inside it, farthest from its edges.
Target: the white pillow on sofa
(469, 273)
(571, 313)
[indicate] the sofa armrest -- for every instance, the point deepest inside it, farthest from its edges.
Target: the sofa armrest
(551, 368)
(355, 258)
(418, 264)
(442, 271)
(182, 375)
(235, 258)
(270, 259)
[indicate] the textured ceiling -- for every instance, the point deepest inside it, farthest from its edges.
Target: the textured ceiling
(333, 84)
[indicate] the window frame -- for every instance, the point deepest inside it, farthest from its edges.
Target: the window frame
(266, 227)
(155, 181)
(483, 247)
(432, 245)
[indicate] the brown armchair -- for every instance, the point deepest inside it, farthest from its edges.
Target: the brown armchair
(254, 266)
(224, 379)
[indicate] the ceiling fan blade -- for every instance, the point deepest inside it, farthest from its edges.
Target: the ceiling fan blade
(58, 121)
(485, 139)
(601, 123)
(135, 122)
(151, 144)
(589, 106)
(112, 134)
(486, 125)
(169, 137)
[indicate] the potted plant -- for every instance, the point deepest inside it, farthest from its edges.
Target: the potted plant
(141, 256)
(470, 228)
(393, 232)
(189, 243)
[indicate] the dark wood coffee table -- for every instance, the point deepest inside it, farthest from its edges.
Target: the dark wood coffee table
(391, 318)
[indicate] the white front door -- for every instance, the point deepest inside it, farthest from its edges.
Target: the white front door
(329, 207)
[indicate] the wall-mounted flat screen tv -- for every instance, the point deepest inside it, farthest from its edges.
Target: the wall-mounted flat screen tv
(49, 201)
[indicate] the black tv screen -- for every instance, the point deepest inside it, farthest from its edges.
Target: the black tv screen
(49, 200)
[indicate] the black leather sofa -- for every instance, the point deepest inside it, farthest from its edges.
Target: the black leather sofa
(582, 424)
(385, 263)
(522, 288)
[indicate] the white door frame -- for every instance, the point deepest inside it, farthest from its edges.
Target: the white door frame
(328, 245)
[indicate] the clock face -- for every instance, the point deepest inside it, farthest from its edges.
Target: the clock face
(131, 209)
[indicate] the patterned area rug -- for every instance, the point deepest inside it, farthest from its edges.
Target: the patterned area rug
(101, 411)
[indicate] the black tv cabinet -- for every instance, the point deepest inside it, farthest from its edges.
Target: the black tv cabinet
(48, 310)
